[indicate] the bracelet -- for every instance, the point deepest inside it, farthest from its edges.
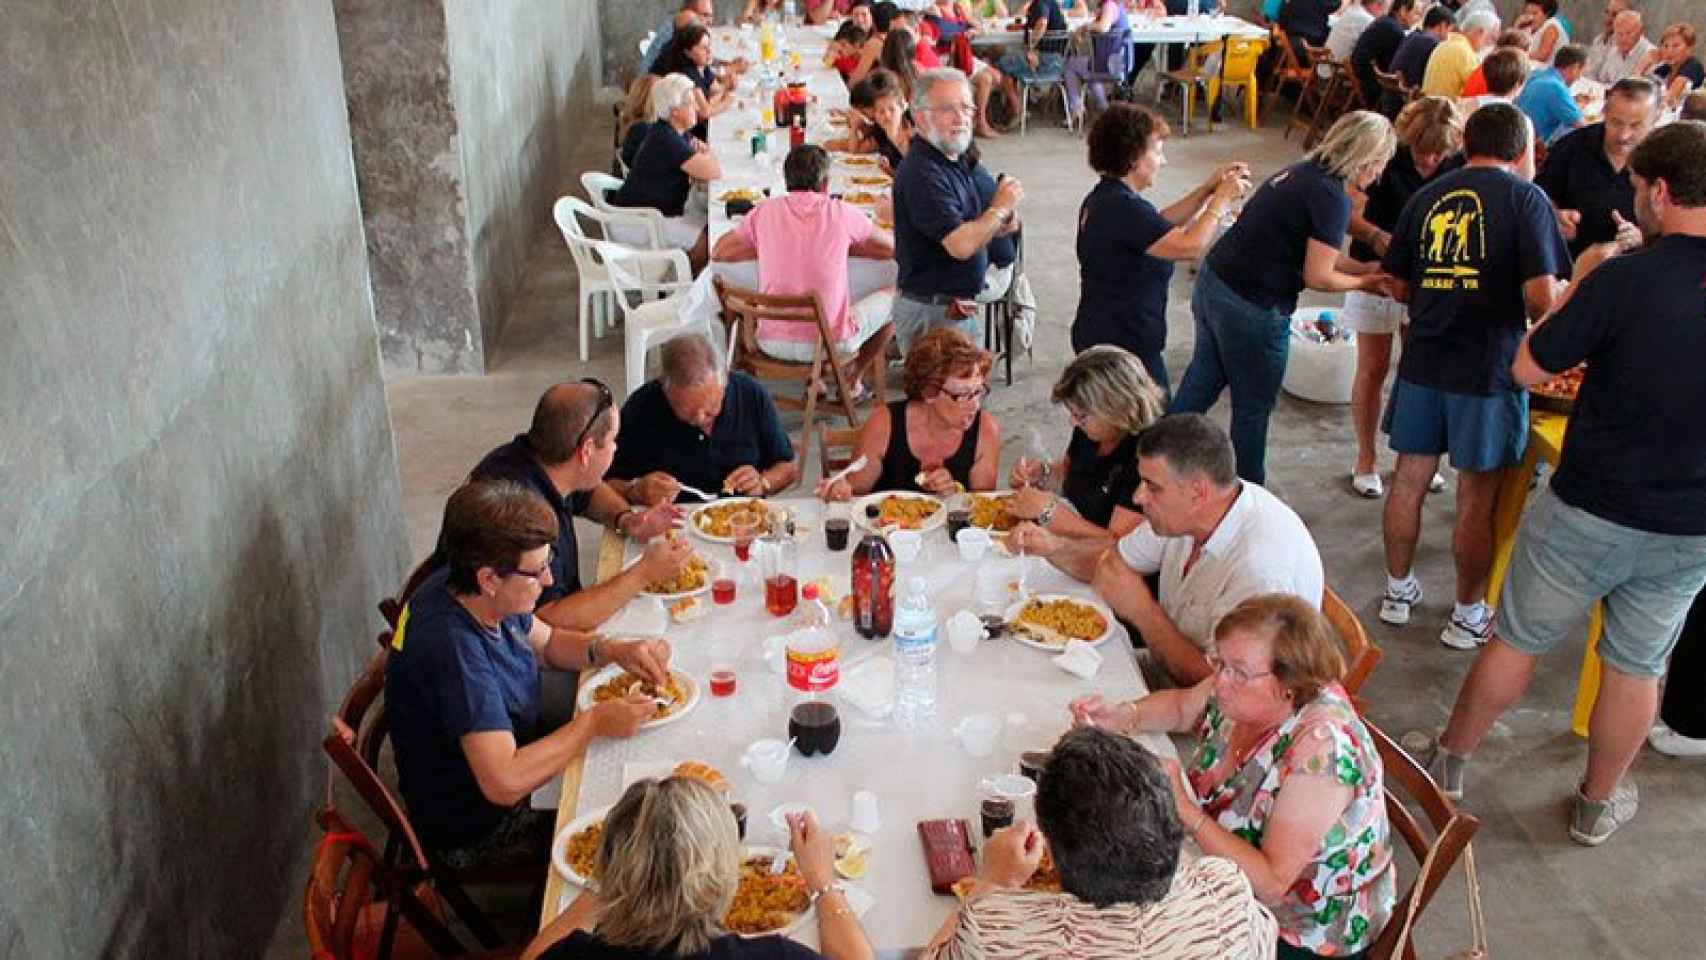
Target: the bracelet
(592, 649)
(834, 886)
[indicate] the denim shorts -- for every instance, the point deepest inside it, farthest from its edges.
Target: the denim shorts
(1050, 66)
(1480, 433)
(914, 318)
(1566, 558)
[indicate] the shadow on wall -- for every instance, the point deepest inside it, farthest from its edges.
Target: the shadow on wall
(189, 766)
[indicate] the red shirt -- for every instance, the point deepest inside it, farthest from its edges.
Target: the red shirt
(1475, 85)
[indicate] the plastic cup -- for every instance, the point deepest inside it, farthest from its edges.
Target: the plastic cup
(973, 543)
(766, 759)
(977, 733)
(906, 545)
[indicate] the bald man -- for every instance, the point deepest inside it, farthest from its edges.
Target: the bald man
(563, 457)
(1618, 57)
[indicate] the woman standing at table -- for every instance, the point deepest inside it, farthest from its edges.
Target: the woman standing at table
(1288, 775)
(667, 163)
(668, 865)
(1286, 240)
(1110, 399)
(939, 435)
(1126, 248)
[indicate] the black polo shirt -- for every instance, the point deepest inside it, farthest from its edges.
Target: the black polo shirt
(1261, 257)
(655, 178)
(514, 461)
(1466, 243)
(1122, 296)
(1375, 48)
(1307, 19)
(1411, 60)
(1635, 453)
(1095, 484)
(933, 196)
(747, 432)
(1002, 250)
(1578, 176)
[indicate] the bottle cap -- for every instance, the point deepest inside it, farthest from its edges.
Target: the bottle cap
(809, 591)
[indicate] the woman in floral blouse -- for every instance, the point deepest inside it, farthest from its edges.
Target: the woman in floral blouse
(1287, 776)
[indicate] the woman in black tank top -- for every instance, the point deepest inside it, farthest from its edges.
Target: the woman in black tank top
(938, 434)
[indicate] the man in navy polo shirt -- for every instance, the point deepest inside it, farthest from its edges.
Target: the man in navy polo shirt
(1625, 517)
(1476, 254)
(462, 683)
(942, 228)
(562, 457)
(693, 426)
(1587, 171)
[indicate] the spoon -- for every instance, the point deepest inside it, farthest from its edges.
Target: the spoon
(696, 492)
(841, 474)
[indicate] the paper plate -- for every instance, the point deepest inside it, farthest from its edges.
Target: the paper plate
(693, 516)
(584, 701)
(1020, 636)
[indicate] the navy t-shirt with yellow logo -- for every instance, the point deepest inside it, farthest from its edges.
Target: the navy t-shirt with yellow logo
(1466, 243)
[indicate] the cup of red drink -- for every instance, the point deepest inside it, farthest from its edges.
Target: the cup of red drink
(723, 585)
(743, 527)
(722, 680)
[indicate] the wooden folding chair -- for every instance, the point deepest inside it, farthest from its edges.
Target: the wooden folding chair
(1314, 91)
(835, 448)
(1361, 656)
(746, 309)
(1288, 70)
(1341, 96)
(391, 608)
(1394, 92)
(1451, 830)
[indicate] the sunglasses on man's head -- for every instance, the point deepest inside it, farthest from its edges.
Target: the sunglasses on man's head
(606, 400)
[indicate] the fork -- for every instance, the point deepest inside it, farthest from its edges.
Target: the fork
(696, 492)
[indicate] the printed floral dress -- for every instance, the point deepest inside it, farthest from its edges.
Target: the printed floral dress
(1342, 900)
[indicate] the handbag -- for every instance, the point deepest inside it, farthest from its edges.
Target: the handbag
(1477, 949)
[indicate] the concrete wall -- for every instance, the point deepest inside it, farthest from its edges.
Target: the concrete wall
(461, 111)
(201, 490)
(522, 76)
(624, 23)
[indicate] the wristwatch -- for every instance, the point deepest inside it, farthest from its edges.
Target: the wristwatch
(633, 510)
(1044, 518)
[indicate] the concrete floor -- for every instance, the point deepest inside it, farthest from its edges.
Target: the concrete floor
(1544, 895)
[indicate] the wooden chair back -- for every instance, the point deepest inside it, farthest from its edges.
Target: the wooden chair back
(1394, 84)
(358, 713)
(340, 746)
(391, 608)
(746, 309)
(835, 448)
(342, 902)
(1447, 832)
(1361, 655)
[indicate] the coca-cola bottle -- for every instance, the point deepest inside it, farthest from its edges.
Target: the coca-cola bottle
(873, 587)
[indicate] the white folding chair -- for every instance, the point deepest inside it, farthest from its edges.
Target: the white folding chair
(598, 186)
(646, 322)
(596, 291)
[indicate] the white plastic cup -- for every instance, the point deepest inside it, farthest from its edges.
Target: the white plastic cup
(965, 632)
(767, 759)
(906, 545)
(978, 733)
(865, 818)
(973, 543)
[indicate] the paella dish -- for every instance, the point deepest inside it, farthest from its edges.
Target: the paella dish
(766, 902)
(624, 683)
(714, 519)
(991, 514)
(693, 576)
(747, 194)
(905, 513)
(583, 850)
(1053, 621)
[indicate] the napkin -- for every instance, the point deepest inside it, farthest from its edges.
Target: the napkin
(1079, 659)
(870, 687)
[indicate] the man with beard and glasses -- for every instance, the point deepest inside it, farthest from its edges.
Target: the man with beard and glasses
(1624, 519)
(942, 227)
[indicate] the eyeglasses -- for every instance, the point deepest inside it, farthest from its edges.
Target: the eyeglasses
(974, 395)
(964, 109)
(606, 400)
(544, 568)
(1235, 673)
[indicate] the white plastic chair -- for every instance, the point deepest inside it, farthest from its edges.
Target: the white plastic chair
(599, 185)
(596, 289)
(646, 322)
(646, 44)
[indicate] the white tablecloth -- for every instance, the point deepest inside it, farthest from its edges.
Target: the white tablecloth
(1160, 30)
(916, 776)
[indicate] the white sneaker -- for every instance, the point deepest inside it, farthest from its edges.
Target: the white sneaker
(1465, 634)
(1591, 824)
(1673, 744)
(1437, 484)
(1395, 607)
(1367, 485)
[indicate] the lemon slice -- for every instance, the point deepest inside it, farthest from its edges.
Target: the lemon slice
(854, 866)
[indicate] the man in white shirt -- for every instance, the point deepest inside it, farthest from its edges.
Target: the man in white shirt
(1342, 39)
(1611, 60)
(1214, 539)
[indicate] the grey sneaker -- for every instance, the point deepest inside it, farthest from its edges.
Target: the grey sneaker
(1465, 634)
(1445, 769)
(1591, 824)
(1395, 606)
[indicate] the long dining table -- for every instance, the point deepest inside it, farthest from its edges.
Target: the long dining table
(916, 773)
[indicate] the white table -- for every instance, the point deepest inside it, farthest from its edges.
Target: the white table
(1156, 30)
(916, 776)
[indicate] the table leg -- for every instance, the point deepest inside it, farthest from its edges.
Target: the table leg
(1507, 516)
(1587, 684)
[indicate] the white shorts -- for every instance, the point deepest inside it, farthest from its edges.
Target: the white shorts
(1368, 313)
(682, 232)
(870, 314)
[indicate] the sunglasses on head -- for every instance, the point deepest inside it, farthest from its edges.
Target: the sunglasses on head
(606, 400)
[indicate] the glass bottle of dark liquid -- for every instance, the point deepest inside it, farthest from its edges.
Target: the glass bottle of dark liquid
(873, 587)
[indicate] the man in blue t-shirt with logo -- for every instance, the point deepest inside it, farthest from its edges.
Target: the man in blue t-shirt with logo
(1476, 254)
(1625, 518)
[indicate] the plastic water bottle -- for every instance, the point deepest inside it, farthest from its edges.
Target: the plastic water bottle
(790, 13)
(915, 658)
(1193, 9)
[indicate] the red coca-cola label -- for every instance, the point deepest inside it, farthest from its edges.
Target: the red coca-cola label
(813, 672)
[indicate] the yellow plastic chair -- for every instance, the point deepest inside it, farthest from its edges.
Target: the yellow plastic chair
(1239, 71)
(1202, 65)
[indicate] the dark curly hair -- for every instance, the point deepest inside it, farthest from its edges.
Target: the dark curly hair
(1120, 135)
(938, 355)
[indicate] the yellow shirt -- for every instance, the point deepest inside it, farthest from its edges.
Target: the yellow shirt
(1449, 66)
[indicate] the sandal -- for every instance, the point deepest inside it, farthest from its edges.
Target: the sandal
(1367, 485)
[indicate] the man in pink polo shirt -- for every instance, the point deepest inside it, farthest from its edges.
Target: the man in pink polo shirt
(801, 241)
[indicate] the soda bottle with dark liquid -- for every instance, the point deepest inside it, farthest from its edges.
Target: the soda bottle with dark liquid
(873, 587)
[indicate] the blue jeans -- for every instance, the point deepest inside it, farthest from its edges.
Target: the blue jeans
(1243, 348)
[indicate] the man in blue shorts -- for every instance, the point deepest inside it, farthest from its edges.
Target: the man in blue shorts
(1625, 519)
(1475, 254)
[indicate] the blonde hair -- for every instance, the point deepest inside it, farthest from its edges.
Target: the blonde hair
(637, 105)
(1306, 651)
(1430, 125)
(668, 866)
(1360, 141)
(1110, 384)
(670, 92)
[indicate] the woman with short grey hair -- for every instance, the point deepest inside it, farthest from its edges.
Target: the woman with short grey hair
(668, 866)
(667, 163)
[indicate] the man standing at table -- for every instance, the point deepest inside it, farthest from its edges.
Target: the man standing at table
(1214, 539)
(1475, 254)
(1459, 54)
(942, 227)
(562, 457)
(1625, 518)
(1586, 172)
(694, 426)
